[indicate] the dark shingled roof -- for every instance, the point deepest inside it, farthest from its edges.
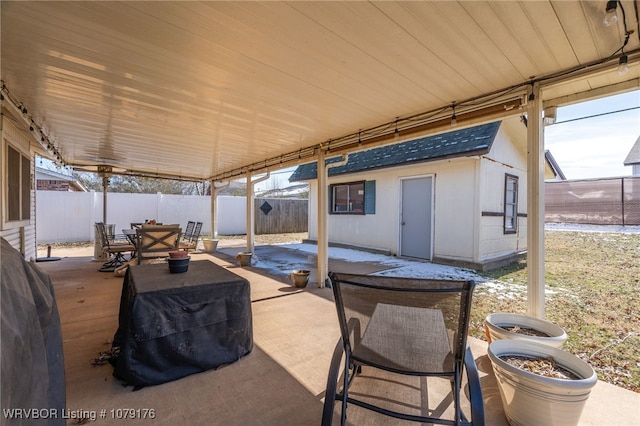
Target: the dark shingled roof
(464, 142)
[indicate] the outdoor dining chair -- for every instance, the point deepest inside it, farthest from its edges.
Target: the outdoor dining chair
(114, 248)
(188, 230)
(402, 351)
(156, 241)
(190, 239)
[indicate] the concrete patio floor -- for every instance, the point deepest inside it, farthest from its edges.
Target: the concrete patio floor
(281, 382)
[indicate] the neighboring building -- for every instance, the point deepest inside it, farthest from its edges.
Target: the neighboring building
(291, 191)
(555, 168)
(49, 180)
(633, 158)
(456, 198)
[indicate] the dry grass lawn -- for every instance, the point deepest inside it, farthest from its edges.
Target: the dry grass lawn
(593, 292)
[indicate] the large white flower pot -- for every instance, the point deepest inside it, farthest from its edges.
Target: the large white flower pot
(495, 323)
(210, 245)
(532, 399)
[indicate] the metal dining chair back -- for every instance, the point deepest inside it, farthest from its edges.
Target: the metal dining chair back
(403, 341)
(188, 231)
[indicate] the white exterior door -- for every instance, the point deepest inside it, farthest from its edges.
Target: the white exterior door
(416, 217)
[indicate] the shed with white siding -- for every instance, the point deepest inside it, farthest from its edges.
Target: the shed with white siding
(456, 198)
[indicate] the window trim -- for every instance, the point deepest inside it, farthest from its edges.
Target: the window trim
(24, 188)
(508, 229)
(332, 188)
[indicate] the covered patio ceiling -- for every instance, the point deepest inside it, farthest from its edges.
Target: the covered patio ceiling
(217, 90)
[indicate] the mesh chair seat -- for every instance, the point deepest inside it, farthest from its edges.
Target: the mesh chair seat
(396, 339)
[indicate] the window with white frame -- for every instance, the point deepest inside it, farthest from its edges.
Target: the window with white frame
(510, 204)
(18, 186)
(348, 198)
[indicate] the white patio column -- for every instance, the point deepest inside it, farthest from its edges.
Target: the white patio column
(323, 230)
(214, 207)
(251, 210)
(535, 208)
(214, 211)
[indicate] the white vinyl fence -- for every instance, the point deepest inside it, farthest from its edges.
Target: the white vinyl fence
(70, 216)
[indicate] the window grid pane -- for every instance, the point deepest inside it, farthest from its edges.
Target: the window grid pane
(348, 198)
(511, 204)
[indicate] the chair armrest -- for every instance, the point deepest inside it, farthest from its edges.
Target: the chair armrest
(475, 391)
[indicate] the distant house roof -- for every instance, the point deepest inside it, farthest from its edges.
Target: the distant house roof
(634, 155)
(464, 142)
(555, 168)
(51, 175)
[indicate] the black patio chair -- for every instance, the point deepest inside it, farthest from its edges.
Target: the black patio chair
(114, 247)
(399, 335)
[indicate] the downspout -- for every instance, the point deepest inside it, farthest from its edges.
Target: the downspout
(251, 209)
(535, 208)
(214, 207)
(105, 184)
(323, 215)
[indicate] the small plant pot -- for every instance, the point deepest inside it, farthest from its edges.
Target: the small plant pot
(210, 245)
(300, 277)
(178, 265)
(244, 257)
(178, 254)
(533, 399)
(497, 326)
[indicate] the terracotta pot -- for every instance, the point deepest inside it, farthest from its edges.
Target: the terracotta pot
(178, 254)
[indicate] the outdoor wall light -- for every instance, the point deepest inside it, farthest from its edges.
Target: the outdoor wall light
(623, 66)
(611, 15)
(454, 119)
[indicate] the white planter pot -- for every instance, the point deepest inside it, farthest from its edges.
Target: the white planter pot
(495, 323)
(210, 245)
(531, 399)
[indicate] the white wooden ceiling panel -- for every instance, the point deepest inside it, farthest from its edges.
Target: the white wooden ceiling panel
(201, 89)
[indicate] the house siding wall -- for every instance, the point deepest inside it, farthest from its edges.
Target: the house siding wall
(464, 188)
(21, 236)
(505, 158)
(453, 209)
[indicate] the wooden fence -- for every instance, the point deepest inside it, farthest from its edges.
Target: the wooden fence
(280, 215)
(612, 201)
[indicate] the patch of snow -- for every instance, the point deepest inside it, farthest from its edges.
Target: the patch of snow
(397, 267)
(628, 229)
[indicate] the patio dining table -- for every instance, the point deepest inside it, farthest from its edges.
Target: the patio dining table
(174, 325)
